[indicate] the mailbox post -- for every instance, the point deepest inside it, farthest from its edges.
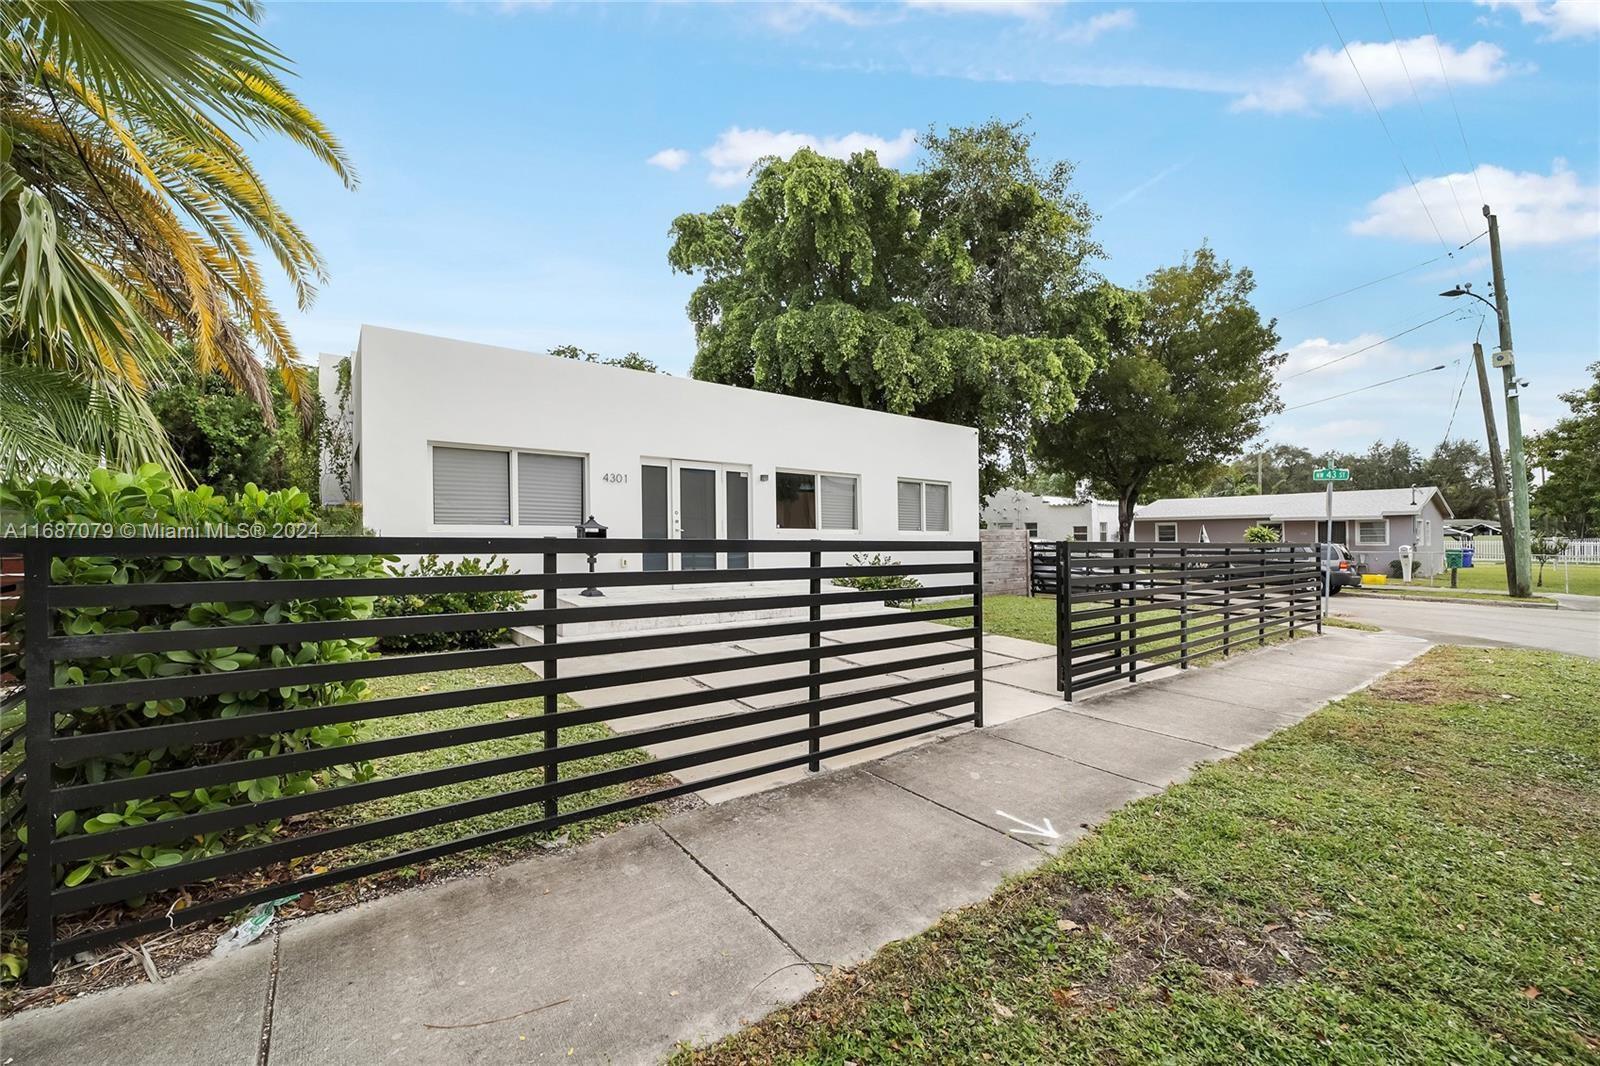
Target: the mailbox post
(591, 530)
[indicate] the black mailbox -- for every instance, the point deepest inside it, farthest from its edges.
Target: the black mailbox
(591, 530)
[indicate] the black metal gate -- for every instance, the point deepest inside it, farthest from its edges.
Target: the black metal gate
(86, 652)
(1123, 609)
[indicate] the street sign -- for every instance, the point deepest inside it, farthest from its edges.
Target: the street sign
(1330, 473)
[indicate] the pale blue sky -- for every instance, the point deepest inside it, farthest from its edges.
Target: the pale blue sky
(521, 163)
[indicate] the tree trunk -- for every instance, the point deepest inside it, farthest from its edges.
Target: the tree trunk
(1125, 518)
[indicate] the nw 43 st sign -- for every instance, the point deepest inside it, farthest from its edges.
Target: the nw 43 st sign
(1331, 473)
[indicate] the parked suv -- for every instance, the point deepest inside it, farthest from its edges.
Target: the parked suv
(1341, 569)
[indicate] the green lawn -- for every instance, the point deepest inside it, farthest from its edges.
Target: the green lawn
(380, 728)
(1436, 592)
(1410, 875)
(1492, 577)
(1034, 618)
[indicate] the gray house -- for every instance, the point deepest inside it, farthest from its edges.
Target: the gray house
(1372, 524)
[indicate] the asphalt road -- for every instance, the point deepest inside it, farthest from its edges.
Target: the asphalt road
(1576, 632)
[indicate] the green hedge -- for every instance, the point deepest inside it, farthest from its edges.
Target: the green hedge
(151, 497)
(447, 603)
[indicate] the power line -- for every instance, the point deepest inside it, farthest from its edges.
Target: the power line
(1426, 128)
(1451, 93)
(1392, 144)
(1368, 348)
(1448, 426)
(1379, 281)
(1364, 388)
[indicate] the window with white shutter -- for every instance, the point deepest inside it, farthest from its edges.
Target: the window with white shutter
(937, 508)
(549, 489)
(838, 502)
(910, 506)
(471, 487)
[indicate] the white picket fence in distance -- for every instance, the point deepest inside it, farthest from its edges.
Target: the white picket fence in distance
(1489, 549)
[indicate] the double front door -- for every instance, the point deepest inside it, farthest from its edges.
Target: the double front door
(685, 500)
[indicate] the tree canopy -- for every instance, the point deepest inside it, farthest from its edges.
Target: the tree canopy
(1187, 384)
(952, 293)
(1568, 500)
(1459, 468)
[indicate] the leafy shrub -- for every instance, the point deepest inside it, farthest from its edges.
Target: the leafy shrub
(341, 520)
(873, 582)
(1261, 535)
(150, 497)
(447, 603)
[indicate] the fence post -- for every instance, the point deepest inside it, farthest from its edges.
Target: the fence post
(1133, 612)
(552, 770)
(1227, 602)
(40, 731)
(977, 624)
(1183, 608)
(1261, 596)
(814, 664)
(1316, 569)
(1063, 622)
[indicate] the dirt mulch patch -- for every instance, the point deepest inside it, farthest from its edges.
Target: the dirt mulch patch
(157, 956)
(1153, 934)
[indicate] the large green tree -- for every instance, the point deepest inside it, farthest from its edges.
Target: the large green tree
(952, 293)
(1568, 500)
(131, 216)
(1188, 383)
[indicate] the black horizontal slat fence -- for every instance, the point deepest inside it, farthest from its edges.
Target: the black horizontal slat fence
(801, 701)
(1127, 608)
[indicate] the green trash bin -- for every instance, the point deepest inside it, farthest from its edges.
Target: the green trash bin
(1452, 558)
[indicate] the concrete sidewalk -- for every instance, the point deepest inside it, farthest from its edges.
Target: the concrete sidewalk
(685, 929)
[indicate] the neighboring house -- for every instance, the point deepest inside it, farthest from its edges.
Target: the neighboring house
(1051, 517)
(456, 438)
(1370, 523)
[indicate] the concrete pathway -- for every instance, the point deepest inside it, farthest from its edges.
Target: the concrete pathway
(685, 929)
(1563, 629)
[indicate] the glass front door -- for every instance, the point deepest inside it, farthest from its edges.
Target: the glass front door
(685, 500)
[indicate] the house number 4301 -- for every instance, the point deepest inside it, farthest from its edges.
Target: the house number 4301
(614, 479)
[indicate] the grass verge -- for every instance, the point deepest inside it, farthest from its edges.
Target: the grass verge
(1410, 875)
(1491, 577)
(1441, 592)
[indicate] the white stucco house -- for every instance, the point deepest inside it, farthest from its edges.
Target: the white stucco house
(457, 438)
(1052, 517)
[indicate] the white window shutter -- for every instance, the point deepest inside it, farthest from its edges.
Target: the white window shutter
(549, 489)
(910, 505)
(838, 502)
(471, 487)
(938, 508)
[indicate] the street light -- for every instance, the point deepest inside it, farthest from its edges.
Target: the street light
(1466, 290)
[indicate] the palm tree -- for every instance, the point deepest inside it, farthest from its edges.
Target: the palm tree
(130, 217)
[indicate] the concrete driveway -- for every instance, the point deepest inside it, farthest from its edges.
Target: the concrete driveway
(1555, 629)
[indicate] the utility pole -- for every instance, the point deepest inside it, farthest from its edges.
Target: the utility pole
(1520, 585)
(1502, 491)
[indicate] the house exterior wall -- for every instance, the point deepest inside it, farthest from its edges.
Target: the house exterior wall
(415, 391)
(1013, 509)
(1423, 531)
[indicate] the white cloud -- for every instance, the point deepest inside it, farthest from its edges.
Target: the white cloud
(1325, 76)
(1533, 208)
(669, 159)
(1149, 183)
(737, 149)
(1091, 29)
(1561, 19)
(1003, 8)
(798, 14)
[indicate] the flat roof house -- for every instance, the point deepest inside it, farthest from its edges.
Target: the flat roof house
(1370, 523)
(453, 437)
(1051, 517)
